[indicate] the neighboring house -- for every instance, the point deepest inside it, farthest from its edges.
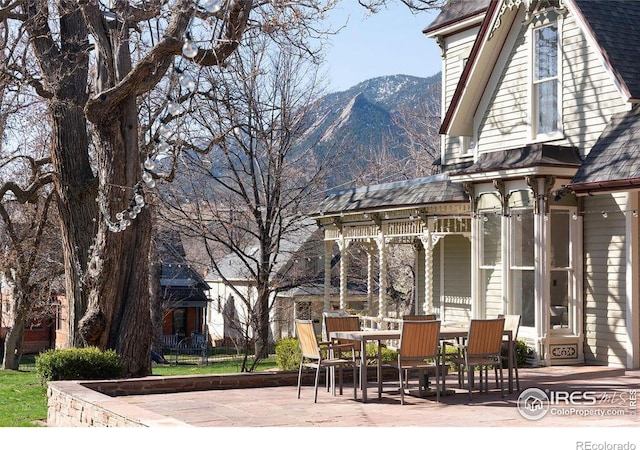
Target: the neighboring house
(535, 211)
(298, 285)
(40, 329)
(39, 332)
(183, 290)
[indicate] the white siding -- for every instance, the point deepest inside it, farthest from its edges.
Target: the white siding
(453, 303)
(589, 97)
(604, 281)
(457, 50)
(506, 121)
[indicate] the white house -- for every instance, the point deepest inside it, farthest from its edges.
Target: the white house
(535, 211)
(297, 283)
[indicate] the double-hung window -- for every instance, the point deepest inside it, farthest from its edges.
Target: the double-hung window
(546, 120)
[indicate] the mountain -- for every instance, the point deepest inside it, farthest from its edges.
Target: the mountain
(371, 117)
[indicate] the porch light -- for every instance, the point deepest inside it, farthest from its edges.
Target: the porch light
(604, 214)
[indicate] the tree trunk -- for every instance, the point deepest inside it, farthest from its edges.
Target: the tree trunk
(118, 314)
(14, 343)
(76, 187)
(263, 328)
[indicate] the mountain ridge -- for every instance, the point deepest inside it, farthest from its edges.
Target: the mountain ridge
(373, 118)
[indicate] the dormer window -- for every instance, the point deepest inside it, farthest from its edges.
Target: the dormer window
(546, 120)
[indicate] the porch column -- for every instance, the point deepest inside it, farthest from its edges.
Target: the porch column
(382, 293)
(343, 244)
(542, 294)
(370, 279)
(420, 286)
(427, 244)
(633, 295)
(328, 245)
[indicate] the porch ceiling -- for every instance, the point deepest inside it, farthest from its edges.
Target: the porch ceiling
(437, 189)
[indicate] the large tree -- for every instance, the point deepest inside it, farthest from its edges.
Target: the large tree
(99, 68)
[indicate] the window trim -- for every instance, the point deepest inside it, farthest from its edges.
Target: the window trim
(572, 270)
(533, 83)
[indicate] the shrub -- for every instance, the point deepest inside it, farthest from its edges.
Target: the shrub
(522, 353)
(288, 354)
(88, 363)
(388, 355)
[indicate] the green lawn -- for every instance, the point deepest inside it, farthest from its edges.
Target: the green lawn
(23, 400)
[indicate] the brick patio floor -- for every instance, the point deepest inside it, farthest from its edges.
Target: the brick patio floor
(613, 390)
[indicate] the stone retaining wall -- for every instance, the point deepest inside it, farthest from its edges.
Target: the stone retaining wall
(96, 403)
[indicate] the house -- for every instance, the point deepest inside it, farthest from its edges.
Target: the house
(40, 326)
(297, 283)
(535, 207)
(183, 290)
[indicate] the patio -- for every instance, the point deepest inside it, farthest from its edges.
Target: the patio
(277, 406)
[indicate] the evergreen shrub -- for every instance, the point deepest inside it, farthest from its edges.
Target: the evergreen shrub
(88, 363)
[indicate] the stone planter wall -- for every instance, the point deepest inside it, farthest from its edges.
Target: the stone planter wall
(96, 403)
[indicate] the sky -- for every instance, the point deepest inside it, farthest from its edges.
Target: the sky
(390, 42)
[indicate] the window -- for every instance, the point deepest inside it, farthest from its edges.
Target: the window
(466, 145)
(545, 89)
(491, 261)
(491, 244)
(561, 270)
(522, 265)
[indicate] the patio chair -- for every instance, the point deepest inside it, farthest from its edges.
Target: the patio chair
(512, 322)
(482, 349)
(320, 355)
(419, 350)
(333, 323)
(414, 317)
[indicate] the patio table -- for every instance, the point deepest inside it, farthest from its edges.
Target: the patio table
(364, 336)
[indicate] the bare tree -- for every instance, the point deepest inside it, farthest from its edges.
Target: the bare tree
(254, 185)
(30, 265)
(98, 68)
(420, 127)
(103, 71)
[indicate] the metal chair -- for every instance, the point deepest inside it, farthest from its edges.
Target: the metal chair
(482, 349)
(512, 323)
(320, 355)
(419, 350)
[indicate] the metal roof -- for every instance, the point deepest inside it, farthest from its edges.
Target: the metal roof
(413, 193)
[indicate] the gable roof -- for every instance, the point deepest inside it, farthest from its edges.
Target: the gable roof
(416, 192)
(179, 281)
(455, 12)
(613, 163)
(612, 24)
(606, 22)
(233, 268)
